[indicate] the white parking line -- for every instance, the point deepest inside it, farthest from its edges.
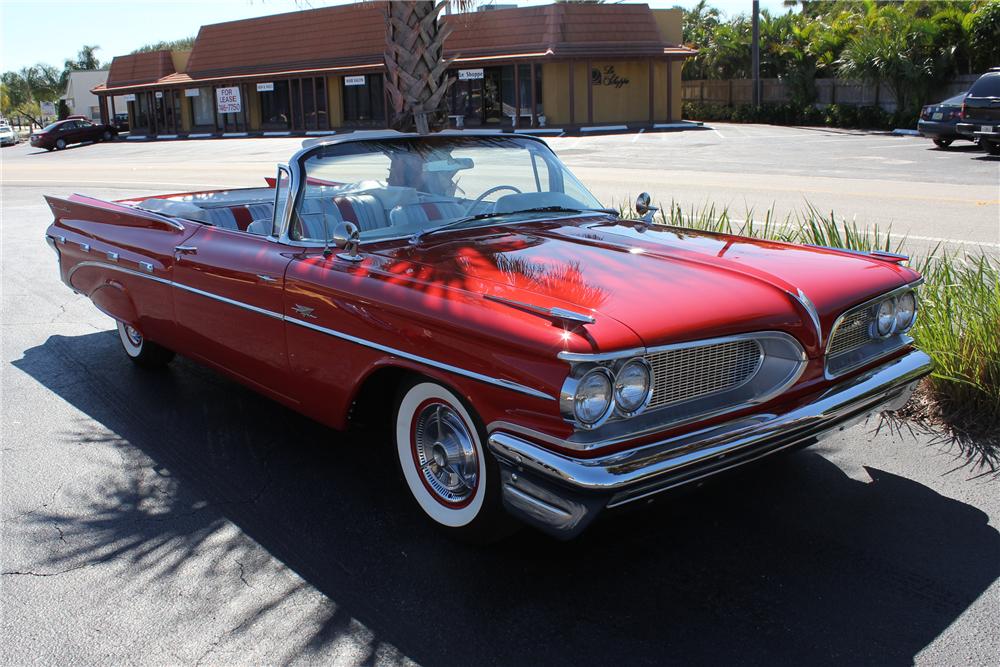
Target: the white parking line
(911, 237)
(637, 135)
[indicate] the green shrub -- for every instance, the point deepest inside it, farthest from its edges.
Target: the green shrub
(832, 115)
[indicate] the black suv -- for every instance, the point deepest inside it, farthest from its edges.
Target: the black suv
(981, 112)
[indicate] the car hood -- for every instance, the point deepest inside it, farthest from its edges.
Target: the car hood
(665, 284)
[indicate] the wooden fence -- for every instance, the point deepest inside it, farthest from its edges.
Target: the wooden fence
(732, 92)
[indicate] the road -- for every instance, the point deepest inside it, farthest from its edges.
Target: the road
(176, 517)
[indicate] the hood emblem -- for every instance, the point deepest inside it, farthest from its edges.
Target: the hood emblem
(304, 311)
(560, 314)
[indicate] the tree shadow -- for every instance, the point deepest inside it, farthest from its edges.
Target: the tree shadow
(793, 561)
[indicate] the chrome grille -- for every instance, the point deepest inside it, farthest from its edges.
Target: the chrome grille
(686, 373)
(854, 331)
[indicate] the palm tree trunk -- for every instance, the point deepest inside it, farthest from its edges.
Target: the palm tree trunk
(416, 73)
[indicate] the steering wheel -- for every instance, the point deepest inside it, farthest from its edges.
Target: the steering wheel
(483, 196)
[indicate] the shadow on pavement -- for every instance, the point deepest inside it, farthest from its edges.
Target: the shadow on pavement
(793, 561)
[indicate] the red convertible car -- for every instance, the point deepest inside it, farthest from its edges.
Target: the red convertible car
(537, 355)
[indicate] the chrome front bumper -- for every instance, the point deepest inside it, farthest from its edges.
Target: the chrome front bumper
(562, 494)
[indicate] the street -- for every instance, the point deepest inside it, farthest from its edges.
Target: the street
(177, 517)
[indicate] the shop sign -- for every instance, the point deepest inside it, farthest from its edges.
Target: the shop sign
(265, 87)
(470, 74)
(159, 94)
(48, 108)
(192, 92)
(354, 80)
(130, 97)
(228, 99)
(607, 77)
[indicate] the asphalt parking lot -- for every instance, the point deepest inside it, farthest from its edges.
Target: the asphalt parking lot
(176, 517)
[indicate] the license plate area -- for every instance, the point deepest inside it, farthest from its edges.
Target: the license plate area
(986, 128)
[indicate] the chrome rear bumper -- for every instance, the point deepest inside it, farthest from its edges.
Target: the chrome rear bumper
(562, 494)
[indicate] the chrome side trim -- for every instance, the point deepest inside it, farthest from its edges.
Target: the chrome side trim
(552, 313)
(85, 247)
(120, 269)
(231, 302)
(500, 382)
(112, 256)
(598, 357)
(807, 303)
(146, 266)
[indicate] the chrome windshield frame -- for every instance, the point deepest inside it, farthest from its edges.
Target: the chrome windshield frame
(297, 180)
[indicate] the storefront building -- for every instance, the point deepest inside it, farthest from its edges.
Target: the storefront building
(558, 67)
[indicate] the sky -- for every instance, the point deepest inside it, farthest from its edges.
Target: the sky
(51, 31)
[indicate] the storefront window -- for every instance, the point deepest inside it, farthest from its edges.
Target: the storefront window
(275, 107)
(202, 108)
(309, 104)
(364, 103)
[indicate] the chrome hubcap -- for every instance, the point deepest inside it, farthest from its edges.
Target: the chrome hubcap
(446, 454)
(134, 336)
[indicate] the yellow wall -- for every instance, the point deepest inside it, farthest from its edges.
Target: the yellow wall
(669, 23)
(253, 106)
(185, 111)
(180, 60)
(555, 93)
(335, 105)
(627, 102)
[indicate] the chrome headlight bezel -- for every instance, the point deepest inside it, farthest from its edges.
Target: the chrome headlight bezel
(908, 324)
(890, 318)
(621, 406)
(568, 398)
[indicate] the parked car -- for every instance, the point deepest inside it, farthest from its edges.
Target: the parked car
(532, 353)
(981, 112)
(62, 133)
(121, 122)
(8, 137)
(939, 121)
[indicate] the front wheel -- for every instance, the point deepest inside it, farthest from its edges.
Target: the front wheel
(942, 143)
(106, 136)
(142, 352)
(452, 477)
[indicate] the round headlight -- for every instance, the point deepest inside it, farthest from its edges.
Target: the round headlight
(632, 387)
(592, 402)
(906, 310)
(885, 321)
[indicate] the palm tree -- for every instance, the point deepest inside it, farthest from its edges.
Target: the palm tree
(416, 71)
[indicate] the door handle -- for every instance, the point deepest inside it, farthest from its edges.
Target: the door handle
(266, 278)
(186, 249)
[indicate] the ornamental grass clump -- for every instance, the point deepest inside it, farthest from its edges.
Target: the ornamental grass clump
(958, 323)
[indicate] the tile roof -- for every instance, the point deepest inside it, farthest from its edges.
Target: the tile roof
(352, 37)
(315, 38)
(564, 29)
(137, 68)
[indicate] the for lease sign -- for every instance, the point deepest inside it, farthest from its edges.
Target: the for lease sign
(228, 100)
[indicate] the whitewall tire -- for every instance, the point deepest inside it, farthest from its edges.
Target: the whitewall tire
(444, 462)
(141, 351)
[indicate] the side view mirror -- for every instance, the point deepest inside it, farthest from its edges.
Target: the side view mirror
(347, 237)
(643, 208)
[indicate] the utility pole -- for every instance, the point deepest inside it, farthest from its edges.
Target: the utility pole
(756, 53)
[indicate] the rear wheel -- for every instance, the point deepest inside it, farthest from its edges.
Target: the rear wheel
(450, 474)
(992, 147)
(942, 143)
(60, 144)
(141, 351)
(106, 136)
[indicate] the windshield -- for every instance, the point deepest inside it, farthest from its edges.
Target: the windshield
(400, 187)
